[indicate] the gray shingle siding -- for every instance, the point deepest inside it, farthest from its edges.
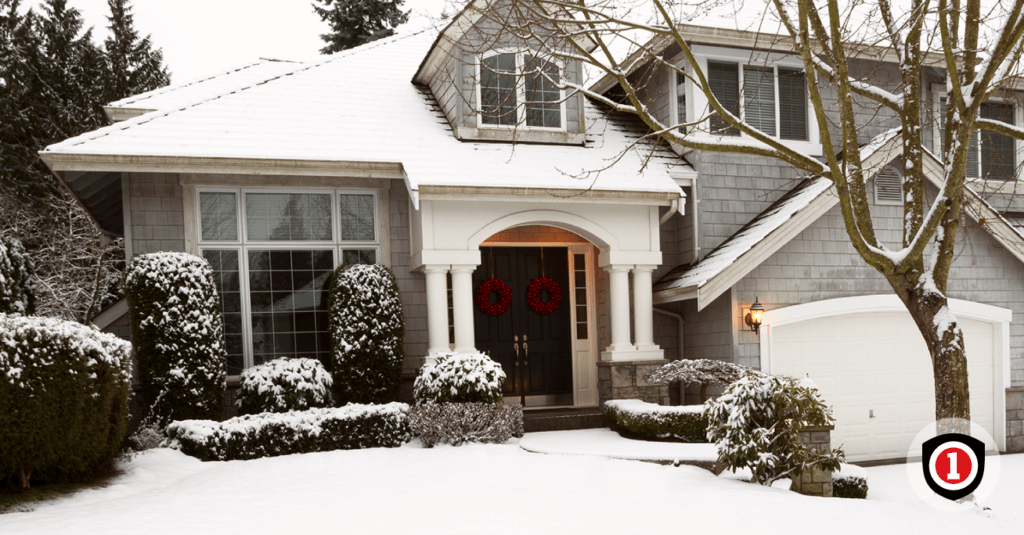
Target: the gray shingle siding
(156, 212)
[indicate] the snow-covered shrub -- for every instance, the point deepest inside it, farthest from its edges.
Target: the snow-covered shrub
(367, 330)
(177, 332)
(459, 378)
(17, 281)
(270, 434)
(756, 424)
(850, 481)
(704, 372)
(456, 423)
(63, 398)
(283, 385)
(686, 423)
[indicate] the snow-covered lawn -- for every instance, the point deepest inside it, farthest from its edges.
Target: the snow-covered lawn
(484, 489)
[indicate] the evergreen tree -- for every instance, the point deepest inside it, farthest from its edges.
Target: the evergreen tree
(357, 22)
(133, 66)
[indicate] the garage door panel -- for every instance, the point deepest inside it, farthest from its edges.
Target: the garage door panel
(878, 362)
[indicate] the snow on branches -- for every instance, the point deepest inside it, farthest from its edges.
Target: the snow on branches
(283, 385)
(706, 372)
(459, 377)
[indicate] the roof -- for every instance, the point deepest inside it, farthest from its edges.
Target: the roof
(185, 93)
(346, 108)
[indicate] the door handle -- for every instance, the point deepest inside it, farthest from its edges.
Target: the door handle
(526, 352)
(516, 347)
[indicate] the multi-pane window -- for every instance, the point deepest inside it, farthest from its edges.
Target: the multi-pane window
(579, 270)
(681, 101)
(770, 99)
(990, 155)
(519, 88)
(272, 254)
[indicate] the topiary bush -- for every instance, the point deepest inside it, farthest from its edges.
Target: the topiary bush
(756, 424)
(350, 427)
(367, 331)
(457, 423)
(283, 385)
(178, 336)
(850, 481)
(705, 372)
(650, 421)
(459, 378)
(17, 279)
(64, 397)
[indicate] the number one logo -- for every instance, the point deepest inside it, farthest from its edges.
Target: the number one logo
(953, 464)
(953, 475)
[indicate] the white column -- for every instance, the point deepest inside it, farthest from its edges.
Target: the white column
(437, 309)
(643, 311)
(462, 308)
(618, 289)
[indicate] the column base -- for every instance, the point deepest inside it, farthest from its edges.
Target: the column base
(632, 354)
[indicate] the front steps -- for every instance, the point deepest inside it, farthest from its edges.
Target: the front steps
(536, 420)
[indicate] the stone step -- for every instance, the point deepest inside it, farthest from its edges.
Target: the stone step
(563, 419)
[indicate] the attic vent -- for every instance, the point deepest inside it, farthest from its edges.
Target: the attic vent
(889, 186)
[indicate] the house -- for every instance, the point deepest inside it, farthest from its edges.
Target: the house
(615, 252)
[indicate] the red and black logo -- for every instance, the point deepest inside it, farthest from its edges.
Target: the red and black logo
(953, 464)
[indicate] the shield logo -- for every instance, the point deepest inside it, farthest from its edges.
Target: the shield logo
(953, 464)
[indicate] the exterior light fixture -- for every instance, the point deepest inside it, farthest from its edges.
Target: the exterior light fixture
(754, 316)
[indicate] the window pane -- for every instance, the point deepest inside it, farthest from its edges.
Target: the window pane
(724, 80)
(498, 89)
(542, 95)
(360, 256)
(793, 105)
(681, 101)
(973, 155)
(997, 154)
(290, 320)
(218, 216)
(357, 217)
(759, 98)
(226, 278)
(288, 216)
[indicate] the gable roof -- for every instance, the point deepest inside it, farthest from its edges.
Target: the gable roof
(789, 216)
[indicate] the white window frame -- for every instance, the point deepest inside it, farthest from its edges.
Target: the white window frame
(242, 245)
(939, 93)
(520, 91)
(697, 102)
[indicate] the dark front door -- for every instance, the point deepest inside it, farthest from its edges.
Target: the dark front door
(535, 350)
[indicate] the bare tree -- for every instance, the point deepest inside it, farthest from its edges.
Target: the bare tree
(626, 40)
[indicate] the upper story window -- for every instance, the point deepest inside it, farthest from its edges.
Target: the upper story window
(990, 155)
(770, 99)
(519, 88)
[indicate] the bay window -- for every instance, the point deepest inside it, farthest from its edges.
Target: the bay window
(272, 255)
(519, 88)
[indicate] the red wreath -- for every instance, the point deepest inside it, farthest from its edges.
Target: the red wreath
(483, 297)
(554, 295)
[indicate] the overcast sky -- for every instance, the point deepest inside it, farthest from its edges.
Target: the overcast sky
(200, 37)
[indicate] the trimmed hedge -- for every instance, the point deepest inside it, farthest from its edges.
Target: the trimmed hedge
(686, 423)
(64, 392)
(850, 481)
(178, 336)
(456, 423)
(17, 285)
(367, 333)
(459, 378)
(283, 385)
(350, 427)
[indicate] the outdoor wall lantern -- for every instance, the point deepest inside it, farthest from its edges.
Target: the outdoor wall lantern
(754, 316)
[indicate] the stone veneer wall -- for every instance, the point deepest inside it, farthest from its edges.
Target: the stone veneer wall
(1015, 420)
(626, 380)
(815, 482)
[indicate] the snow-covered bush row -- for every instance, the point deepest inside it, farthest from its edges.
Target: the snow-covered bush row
(459, 378)
(456, 423)
(283, 385)
(64, 397)
(17, 284)
(367, 332)
(269, 434)
(850, 481)
(177, 332)
(686, 423)
(756, 424)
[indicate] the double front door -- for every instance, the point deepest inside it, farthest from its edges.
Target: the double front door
(534, 349)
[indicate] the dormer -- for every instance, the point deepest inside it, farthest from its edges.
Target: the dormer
(494, 84)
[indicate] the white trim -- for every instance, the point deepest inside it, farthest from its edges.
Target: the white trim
(1000, 319)
(520, 122)
(589, 230)
(110, 314)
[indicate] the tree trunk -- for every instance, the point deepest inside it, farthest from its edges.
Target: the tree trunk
(703, 393)
(24, 476)
(945, 341)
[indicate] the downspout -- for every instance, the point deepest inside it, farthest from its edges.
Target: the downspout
(679, 331)
(672, 210)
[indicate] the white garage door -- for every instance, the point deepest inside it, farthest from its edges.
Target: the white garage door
(874, 369)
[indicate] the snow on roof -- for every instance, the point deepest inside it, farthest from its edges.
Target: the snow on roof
(360, 106)
(217, 84)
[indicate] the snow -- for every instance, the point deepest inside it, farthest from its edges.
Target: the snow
(285, 384)
(636, 407)
(461, 490)
(608, 444)
(851, 471)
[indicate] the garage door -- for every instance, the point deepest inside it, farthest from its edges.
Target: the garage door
(874, 369)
